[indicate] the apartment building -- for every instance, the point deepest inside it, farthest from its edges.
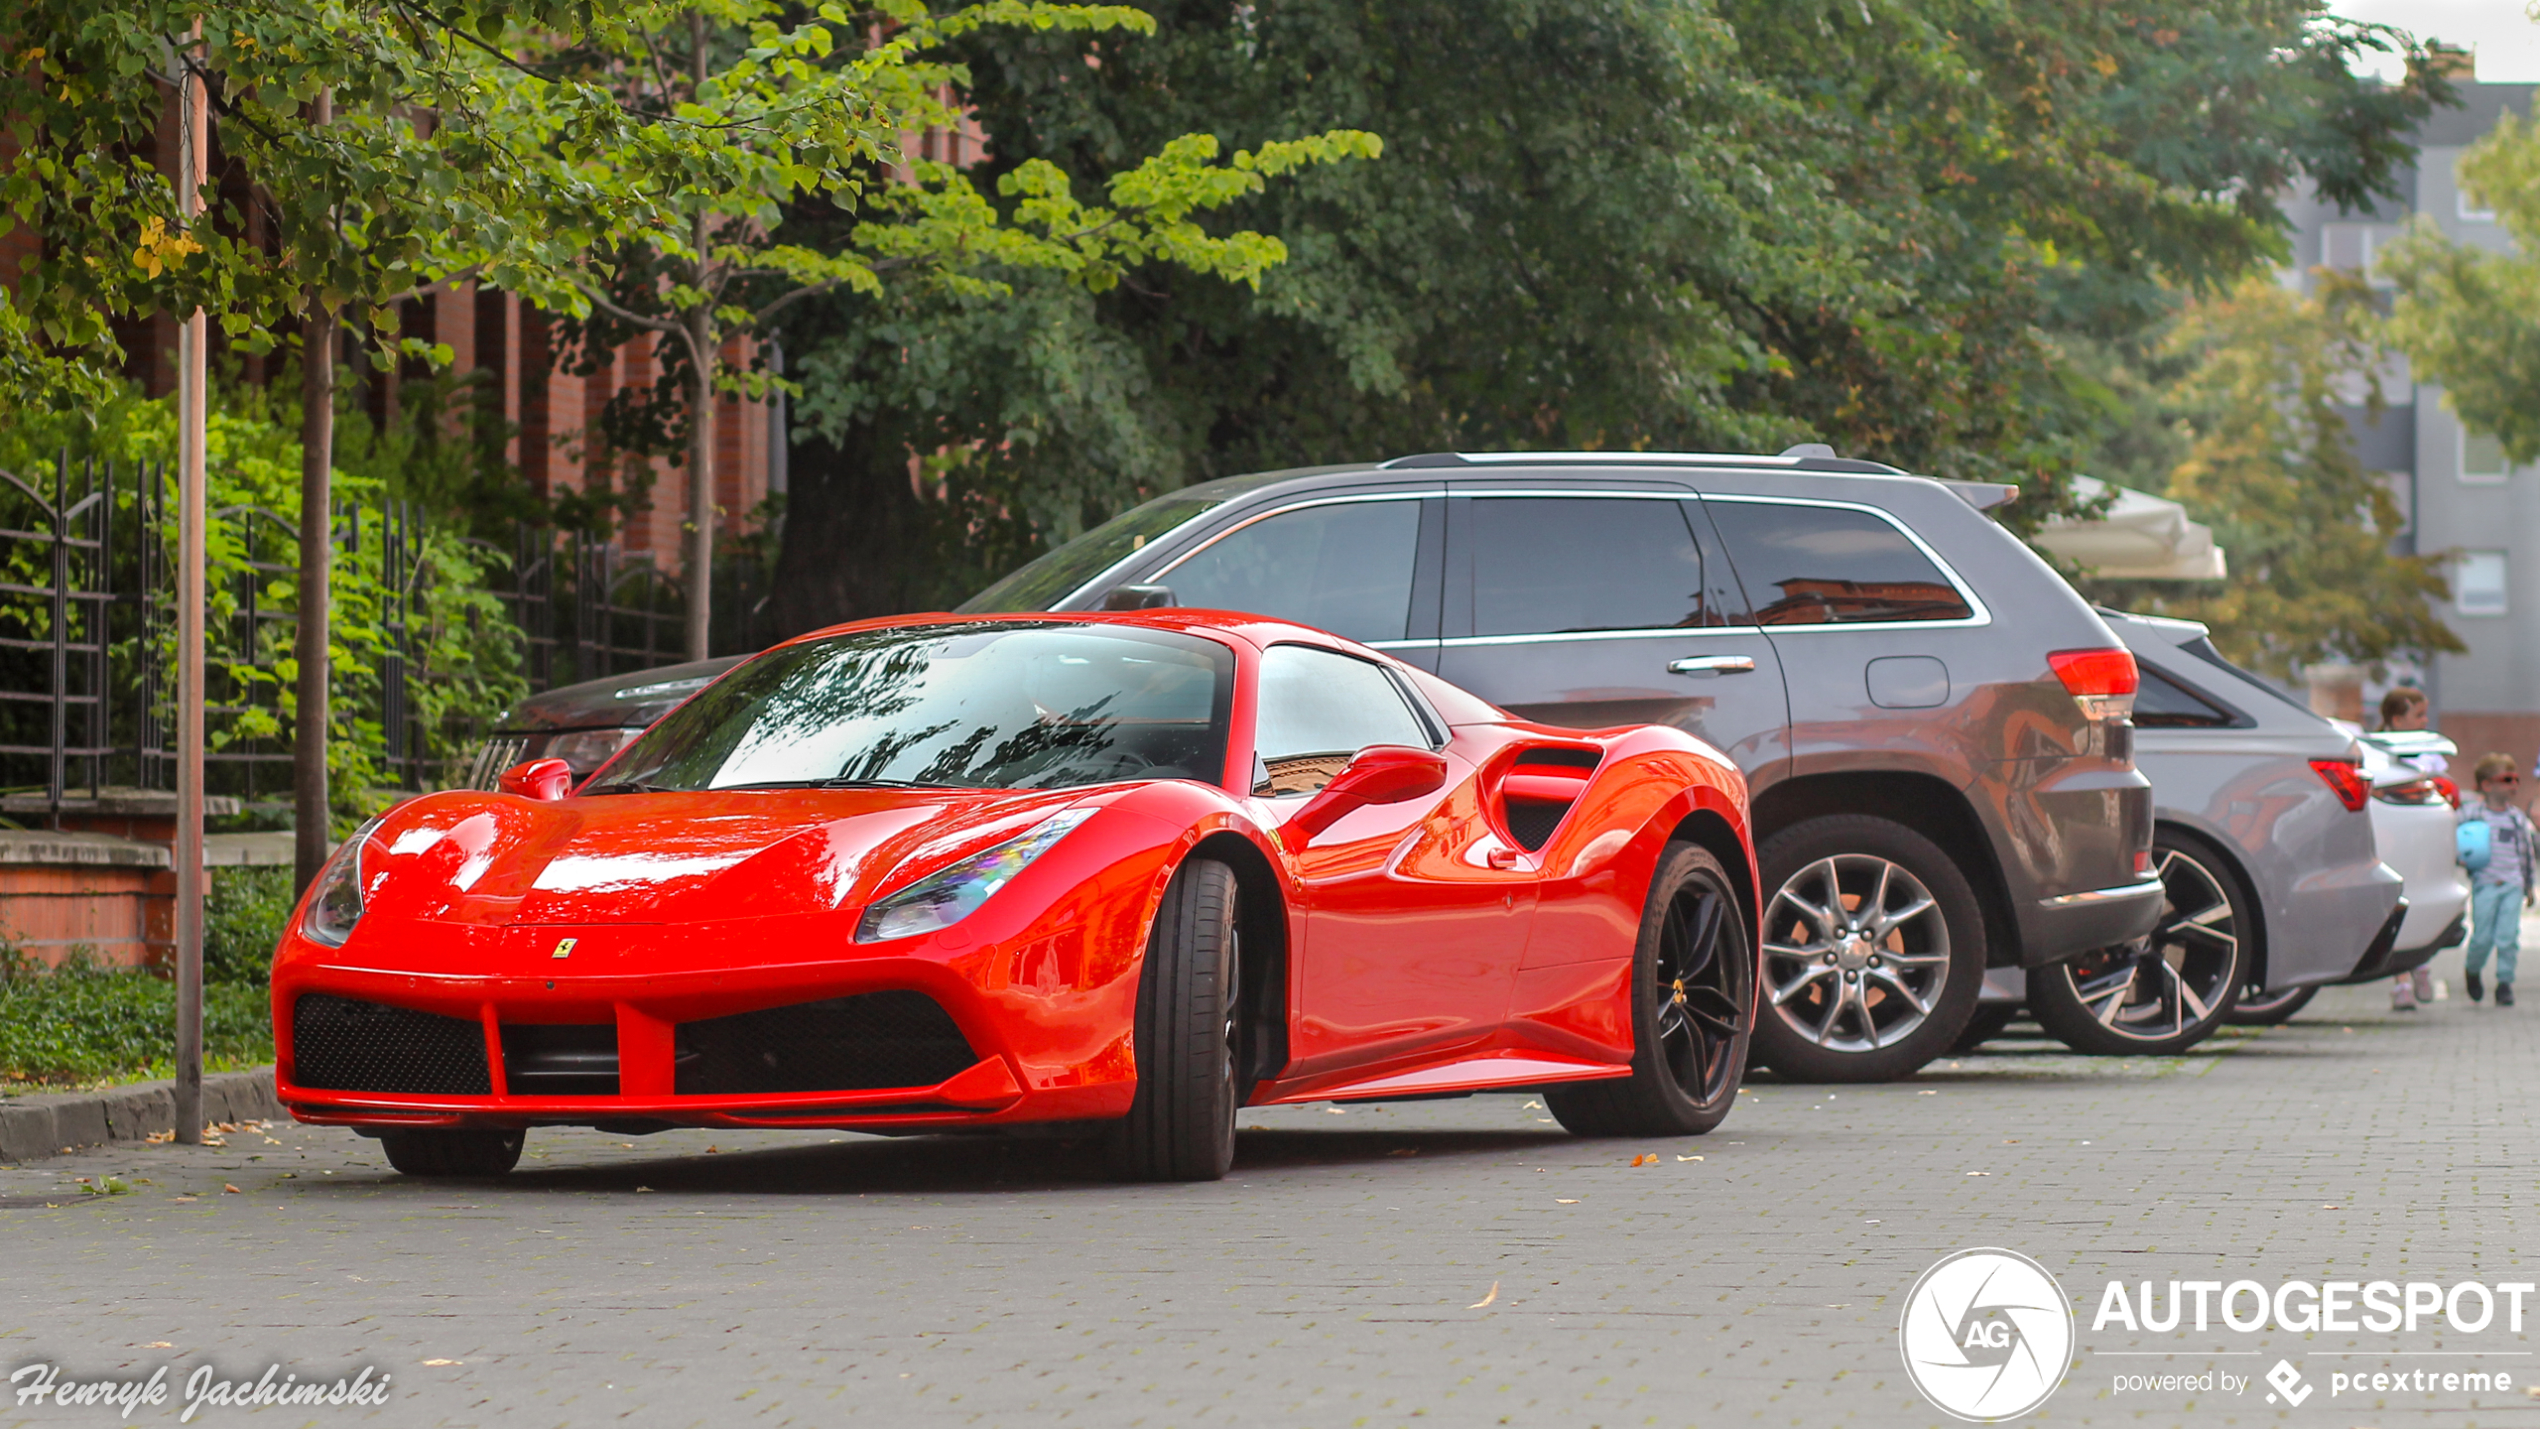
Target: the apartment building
(2459, 493)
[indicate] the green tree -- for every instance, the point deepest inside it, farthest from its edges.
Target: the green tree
(670, 141)
(2469, 317)
(2268, 461)
(1602, 223)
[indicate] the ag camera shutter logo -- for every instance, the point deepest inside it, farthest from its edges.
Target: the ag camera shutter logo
(1986, 1334)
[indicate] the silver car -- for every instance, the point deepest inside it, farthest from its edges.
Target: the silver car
(2265, 849)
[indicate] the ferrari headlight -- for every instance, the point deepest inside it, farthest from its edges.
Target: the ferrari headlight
(942, 899)
(336, 905)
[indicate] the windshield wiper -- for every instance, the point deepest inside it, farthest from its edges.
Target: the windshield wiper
(631, 787)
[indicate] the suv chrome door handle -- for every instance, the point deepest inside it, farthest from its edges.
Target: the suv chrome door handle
(1712, 665)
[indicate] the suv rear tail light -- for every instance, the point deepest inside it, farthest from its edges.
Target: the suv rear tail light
(2102, 682)
(2346, 778)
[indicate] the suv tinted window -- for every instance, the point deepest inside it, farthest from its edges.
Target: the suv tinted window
(1827, 565)
(2163, 703)
(1345, 568)
(1545, 565)
(1316, 710)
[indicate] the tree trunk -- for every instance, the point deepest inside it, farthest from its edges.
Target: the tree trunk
(701, 512)
(311, 811)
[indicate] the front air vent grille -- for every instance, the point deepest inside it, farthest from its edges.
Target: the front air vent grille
(338, 1044)
(845, 1044)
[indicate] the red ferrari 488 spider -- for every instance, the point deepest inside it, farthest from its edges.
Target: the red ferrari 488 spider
(1129, 871)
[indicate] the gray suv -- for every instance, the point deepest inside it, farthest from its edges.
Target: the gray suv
(1934, 726)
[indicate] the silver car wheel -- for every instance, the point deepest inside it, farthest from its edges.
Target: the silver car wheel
(2161, 987)
(1856, 953)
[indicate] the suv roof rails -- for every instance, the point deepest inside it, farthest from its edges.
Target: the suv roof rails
(1796, 459)
(1982, 495)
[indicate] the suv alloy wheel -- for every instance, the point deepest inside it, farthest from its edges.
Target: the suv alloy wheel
(1874, 951)
(2165, 993)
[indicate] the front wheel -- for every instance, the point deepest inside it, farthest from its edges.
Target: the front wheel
(1693, 1006)
(2165, 993)
(440, 1153)
(1181, 1124)
(1874, 951)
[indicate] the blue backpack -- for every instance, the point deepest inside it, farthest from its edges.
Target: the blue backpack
(2476, 843)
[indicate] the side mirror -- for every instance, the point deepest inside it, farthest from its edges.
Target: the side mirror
(1381, 774)
(541, 779)
(1137, 597)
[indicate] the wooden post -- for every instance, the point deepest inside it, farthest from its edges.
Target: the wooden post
(193, 336)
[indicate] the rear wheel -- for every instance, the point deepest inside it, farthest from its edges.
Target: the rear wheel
(1181, 1126)
(1693, 1006)
(441, 1152)
(1873, 951)
(2165, 993)
(2270, 1009)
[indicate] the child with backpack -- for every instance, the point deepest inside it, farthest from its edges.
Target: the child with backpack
(2497, 846)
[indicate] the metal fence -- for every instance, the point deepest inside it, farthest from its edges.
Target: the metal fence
(87, 600)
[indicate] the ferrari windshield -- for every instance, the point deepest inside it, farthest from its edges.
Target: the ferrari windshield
(986, 706)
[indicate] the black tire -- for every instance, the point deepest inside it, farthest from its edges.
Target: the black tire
(452, 1153)
(2270, 1009)
(1990, 1020)
(2167, 992)
(1181, 1126)
(1693, 1008)
(1855, 996)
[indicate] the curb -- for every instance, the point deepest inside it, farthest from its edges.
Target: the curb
(48, 1125)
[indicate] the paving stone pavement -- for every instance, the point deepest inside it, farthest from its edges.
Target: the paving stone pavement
(1458, 1262)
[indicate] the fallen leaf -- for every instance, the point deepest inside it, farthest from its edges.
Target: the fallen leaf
(1530, 1106)
(160, 1345)
(1979, 1173)
(1484, 1302)
(445, 1362)
(161, 1138)
(1336, 1111)
(2332, 1208)
(1565, 1200)
(1645, 1160)
(1927, 1094)
(642, 1189)
(1688, 1158)
(187, 1200)
(1405, 1151)
(230, 1190)
(2010, 1141)
(714, 1150)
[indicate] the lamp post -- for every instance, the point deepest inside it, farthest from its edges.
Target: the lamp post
(194, 125)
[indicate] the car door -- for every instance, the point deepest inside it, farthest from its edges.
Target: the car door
(1591, 608)
(1363, 566)
(1879, 642)
(1409, 929)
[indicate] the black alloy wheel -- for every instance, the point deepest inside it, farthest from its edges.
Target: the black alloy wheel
(1693, 1009)
(1189, 1036)
(2167, 992)
(1873, 951)
(2260, 1008)
(440, 1152)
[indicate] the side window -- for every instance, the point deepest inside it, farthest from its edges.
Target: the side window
(2163, 703)
(1316, 710)
(1545, 565)
(1345, 568)
(1824, 565)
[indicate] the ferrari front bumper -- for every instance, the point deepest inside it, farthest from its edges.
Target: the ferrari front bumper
(928, 1032)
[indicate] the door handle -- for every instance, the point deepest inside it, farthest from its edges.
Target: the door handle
(1712, 665)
